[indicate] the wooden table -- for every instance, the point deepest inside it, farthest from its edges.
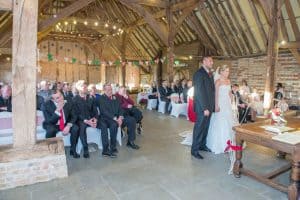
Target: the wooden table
(253, 133)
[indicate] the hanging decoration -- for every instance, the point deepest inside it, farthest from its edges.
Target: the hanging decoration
(117, 62)
(96, 62)
(50, 57)
(74, 60)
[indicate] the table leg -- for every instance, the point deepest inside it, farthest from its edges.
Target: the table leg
(238, 163)
(294, 188)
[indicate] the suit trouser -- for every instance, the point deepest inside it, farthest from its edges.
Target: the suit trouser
(136, 113)
(52, 130)
(200, 132)
(130, 123)
(113, 129)
(82, 134)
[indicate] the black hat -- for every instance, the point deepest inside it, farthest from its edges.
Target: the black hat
(279, 85)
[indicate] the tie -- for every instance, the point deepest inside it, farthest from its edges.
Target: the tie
(61, 121)
(210, 74)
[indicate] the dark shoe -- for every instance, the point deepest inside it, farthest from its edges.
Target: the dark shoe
(205, 149)
(115, 151)
(106, 154)
(132, 145)
(86, 154)
(113, 155)
(74, 154)
(197, 155)
(139, 129)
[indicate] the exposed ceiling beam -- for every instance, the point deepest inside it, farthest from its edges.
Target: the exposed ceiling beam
(290, 45)
(6, 38)
(159, 29)
(6, 4)
(292, 19)
(267, 7)
(65, 12)
(6, 51)
(156, 3)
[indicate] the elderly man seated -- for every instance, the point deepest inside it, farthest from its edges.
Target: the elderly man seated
(5, 99)
(127, 104)
(60, 116)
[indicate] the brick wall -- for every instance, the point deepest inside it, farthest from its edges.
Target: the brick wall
(254, 71)
(26, 172)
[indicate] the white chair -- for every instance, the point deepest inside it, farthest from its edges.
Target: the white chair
(152, 103)
(179, 109)
(161, 105)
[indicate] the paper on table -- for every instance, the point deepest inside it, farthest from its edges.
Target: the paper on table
(290, 138)
(277, 129)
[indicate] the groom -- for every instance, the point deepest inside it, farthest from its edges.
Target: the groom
(204, 103)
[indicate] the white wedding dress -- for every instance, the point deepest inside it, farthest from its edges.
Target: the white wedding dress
(221, 123)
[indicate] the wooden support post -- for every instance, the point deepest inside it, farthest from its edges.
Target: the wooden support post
(123, 58)
(272, 55)
(24, 67)
(170, 47)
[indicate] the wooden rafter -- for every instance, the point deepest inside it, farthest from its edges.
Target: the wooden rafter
(156, 3)
(291, 45)
(6, 51)
(159, 29)
(267, 5)
(6, 4)
(69, 10)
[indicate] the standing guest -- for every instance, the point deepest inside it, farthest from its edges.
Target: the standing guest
(66, 90)
(244, 90)
(127, 104)
(242, 106)
(60, 116)
(5, 99)
(165, 93)
(44, 91)
(204, 103)
(86, 112)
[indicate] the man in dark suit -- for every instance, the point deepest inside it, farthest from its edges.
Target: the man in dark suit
(66, 90)
(60, 116)
(86, 112)
(204, 103)
(165, 92)
(111, 116)
(5, 99)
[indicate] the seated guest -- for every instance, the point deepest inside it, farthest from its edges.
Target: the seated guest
(93, 91)
(60, 116)
(173, 88)
(5, 99)
(86, 112)
(153, 92)
(182, 86)
(189, 85)
(66, 90)
(244, 90)
(127, 104)
(44, 91)
(74, 90)
(242, 106)
(111, 116)
(165, 93)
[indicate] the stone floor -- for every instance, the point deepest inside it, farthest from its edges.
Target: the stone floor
(161, 169)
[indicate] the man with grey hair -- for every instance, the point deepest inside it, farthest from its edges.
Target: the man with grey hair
(5, 99)
(44, 92)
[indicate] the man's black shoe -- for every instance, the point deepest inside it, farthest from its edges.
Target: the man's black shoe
(115, 150)
(74, 154)
(205, 149)
(132, 145)
(197, 155)
(113, 155)
(105, 154)
(86, 154)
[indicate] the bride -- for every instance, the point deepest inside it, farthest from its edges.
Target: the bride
(222, 120)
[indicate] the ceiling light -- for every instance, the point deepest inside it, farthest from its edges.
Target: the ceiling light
(283, 42)
(190, 57)
(96, 23)
(106, 25)
(66, 23)
(85, 23)
(75, 22)
(114, 27)
(8, 58)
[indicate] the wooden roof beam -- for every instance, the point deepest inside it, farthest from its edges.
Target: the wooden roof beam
(6, 5)
(6, 51)
(290, 45)
(156, 3)
(159, 29)
(69, 10)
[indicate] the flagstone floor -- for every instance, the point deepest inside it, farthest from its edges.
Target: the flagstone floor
(161, 169)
